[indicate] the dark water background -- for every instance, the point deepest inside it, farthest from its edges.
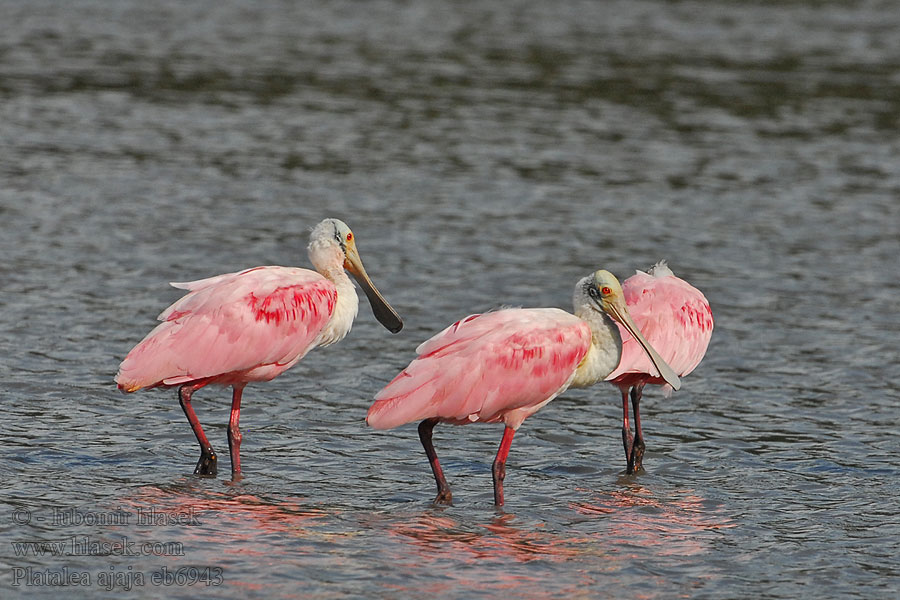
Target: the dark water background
(485, 153)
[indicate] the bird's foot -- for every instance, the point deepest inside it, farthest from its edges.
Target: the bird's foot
(627, 442)
(444, 497)
(206, 466)
(636, 457)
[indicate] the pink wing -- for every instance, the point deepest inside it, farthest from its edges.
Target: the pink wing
(247, 326)
(675, 318)
(501, 365)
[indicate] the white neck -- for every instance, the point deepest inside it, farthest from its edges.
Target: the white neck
(345, 308)
(606, 347)
(327, 257)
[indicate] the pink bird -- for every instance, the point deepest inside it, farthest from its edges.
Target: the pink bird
(676, 319)
(503, 366)
(252, 326)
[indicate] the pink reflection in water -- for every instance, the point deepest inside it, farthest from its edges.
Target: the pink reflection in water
(497, 538)
(635, 518)
(610, 537)
(234, 527)
(475, 554)
(232, 514)
(607, 538)
(476, 557)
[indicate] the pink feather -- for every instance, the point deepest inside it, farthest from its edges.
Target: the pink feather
(673, 316)
(497, 366)
(237, 327)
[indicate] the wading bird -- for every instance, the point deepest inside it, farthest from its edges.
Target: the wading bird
(252, 326)
(676, 319)
(505, 365)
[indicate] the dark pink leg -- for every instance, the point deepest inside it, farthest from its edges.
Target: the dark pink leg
(627, 439)
(498, 470)
(234, 432)
(635, 461)
(207, 464)
(425, 427)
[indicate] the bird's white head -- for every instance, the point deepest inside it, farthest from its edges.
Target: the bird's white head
(332, 248)
(326, 245)
(602, 293)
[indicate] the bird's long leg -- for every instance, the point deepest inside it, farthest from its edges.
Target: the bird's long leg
(234, 432)
(498, 470)
(635, 461)
(425, 427)
(207, 463)
(627, 439)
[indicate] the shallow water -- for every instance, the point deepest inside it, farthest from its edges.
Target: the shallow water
(485, 154)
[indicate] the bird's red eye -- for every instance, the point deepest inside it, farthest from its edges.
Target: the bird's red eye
(349, 236)
(606, 291)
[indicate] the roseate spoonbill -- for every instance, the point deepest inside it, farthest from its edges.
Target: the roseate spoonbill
(676, 319)
(252, 326)
(505, 365)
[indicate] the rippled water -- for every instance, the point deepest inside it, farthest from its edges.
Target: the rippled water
(485, 154)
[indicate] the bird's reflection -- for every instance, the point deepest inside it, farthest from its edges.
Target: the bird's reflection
(500, 536)
(235, 516)
(608, 535)
(613, 530)
(636, 517)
